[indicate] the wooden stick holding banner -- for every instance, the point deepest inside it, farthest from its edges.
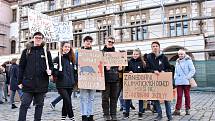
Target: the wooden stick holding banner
(46, 58)
(60, 63)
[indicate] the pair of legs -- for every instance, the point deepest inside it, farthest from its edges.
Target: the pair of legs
(66, 93)
(87, 103)
(159, 110)
(180, 90)
(109, 99)
(12, 95)
(26, 100)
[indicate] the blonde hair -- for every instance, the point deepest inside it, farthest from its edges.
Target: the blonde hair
(139, 51)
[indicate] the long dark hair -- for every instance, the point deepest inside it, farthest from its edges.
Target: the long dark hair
(71, 53)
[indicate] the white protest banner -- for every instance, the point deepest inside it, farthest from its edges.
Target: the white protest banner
(63, 31)
(42, 23)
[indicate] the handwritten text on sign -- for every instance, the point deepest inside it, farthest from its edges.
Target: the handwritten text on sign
(148, 86)
(42, 23)
(90, 70)
(115, 59)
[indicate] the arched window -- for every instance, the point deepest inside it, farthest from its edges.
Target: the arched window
(13, 47)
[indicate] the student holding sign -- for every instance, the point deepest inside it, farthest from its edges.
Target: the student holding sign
(184, 71)
(158, 63)
(34, 76)
(65, 79)
(109, 95)
(135, 65)
(87, 95)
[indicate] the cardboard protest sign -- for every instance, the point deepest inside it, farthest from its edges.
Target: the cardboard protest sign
(90, 70)
(148, 86)
(115, 59)
(42, 23)
(63, 31)
(52, 31)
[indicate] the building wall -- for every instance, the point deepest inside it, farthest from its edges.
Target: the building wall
(155, 32)
(5, 19)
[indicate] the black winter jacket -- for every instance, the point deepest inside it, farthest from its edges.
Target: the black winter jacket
(136, 66)
(13, 74)
(111, 75)
(65, 78)
(159, 63)
(32, 69)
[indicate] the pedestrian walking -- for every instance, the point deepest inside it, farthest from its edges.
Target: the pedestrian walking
(34, 76)
(65, 79)
(13, 72)
(2, 79)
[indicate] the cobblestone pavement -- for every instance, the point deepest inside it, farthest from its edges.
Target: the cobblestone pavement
(202, 109)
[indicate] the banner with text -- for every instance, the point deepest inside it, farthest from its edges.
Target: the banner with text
(63, 31)
(90, 70)
(148, 86)
(42, 23)
(52, 31)
(115, 59)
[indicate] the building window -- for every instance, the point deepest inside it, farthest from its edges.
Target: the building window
(51, 4)
(106, 25)
(13, 47)
(139, 32)
(78, 37)
(76, 2)
(14, 15)
(181, 27)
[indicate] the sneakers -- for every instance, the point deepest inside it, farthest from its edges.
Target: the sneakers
(132, 107)
(1, 102)
(13, 106)
(52, 106)
(158, 118)
(72, 119)
(125, 116)
(140, 115)
(107, 118)
(90, 118)
(187, 111)
(177, 113)
(113, 118)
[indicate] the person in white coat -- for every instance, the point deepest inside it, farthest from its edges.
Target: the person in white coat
(184, 71)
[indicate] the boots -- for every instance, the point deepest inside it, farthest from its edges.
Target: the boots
(13, 106)
(90, 118)
(177, 112)
(84, 118)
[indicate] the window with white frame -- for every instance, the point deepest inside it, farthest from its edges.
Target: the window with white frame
(178, 27)
(138, 32)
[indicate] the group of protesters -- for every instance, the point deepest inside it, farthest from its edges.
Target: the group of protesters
(36, 67)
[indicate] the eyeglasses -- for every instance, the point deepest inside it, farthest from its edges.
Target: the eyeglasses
(111, 42)
(38, 37)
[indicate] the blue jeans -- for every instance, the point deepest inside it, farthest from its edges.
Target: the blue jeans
(13, 93)
(128, 105)
(167, 106)
(56, 100)
(87, 101)
(122, 101)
